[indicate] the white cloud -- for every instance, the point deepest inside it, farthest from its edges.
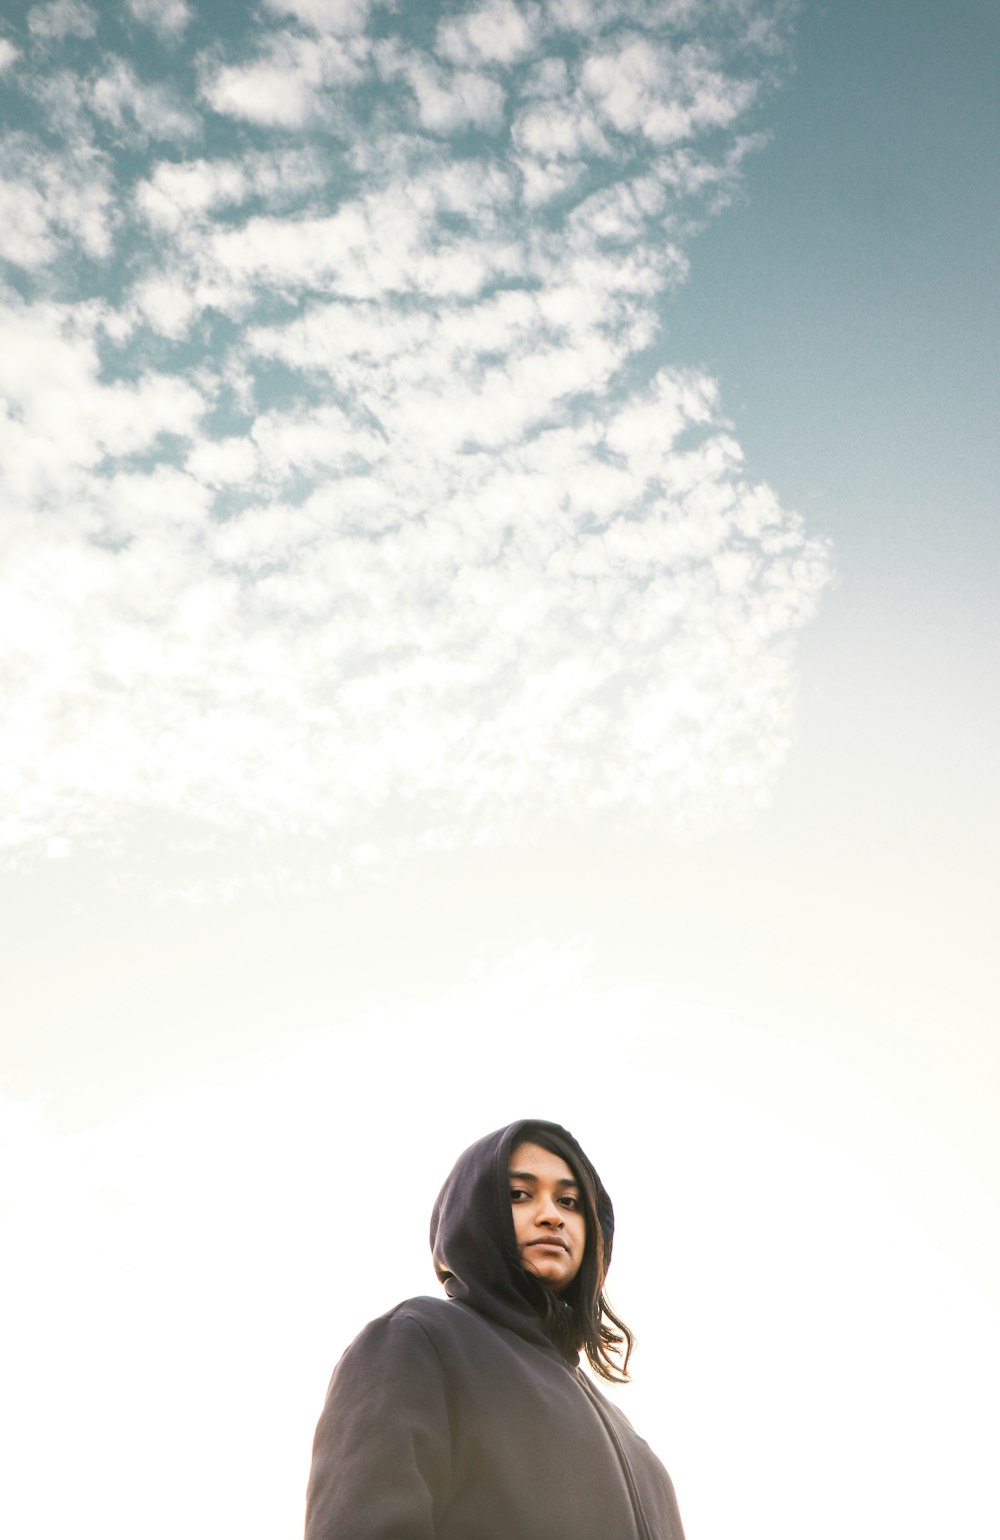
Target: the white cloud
(382, 243)
(223, 462)
(565, 574)
(49, 202)
(482, 373)
(60, 415)
(286, 85)
(25, 235)
(449, 100)
(301, 443)
(140, 107)
(168, 17)
(664, 95)
(546, 179)
(165, 302)
(175, 192)
(8, 54)
(179, 193)
(497, 33)
(81, 202)
(662, 415)
(267, 93)
(61, 95)
(408, 554)
(549, 77)
(63, 18)
(559, 130)
(685, 173)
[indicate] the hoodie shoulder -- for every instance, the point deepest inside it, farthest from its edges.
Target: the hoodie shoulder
(425, 1308)
(435, 1317)
(421, 1316)
(441, 1323)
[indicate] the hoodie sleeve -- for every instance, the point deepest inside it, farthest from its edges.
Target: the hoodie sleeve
(382, 1453)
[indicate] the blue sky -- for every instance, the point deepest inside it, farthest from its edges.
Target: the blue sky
(497, 611)
(863, 250)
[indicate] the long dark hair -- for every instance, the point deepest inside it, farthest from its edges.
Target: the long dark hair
(580, 1319)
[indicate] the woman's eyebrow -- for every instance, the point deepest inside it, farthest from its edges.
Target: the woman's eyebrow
(529, 1176)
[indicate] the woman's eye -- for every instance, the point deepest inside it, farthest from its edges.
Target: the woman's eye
(517, 1192)
(568, 1202)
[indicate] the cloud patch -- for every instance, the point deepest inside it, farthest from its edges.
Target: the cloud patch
(167, 17)
(139, 108)
(288, 83)
(62, 19)
(376, 513)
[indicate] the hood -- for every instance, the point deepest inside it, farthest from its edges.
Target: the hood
(472, 1230)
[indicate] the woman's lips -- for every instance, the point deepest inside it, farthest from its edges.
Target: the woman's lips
(550, 1245)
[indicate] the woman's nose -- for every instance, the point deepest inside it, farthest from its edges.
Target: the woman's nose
(548, 1213)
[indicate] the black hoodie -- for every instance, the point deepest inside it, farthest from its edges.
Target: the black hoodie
(458, 1419)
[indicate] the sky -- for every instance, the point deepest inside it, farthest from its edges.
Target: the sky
(496, 620)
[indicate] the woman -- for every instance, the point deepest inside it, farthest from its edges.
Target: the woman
(468, 1418)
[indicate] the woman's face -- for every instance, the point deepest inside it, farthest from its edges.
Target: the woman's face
(548, 1214)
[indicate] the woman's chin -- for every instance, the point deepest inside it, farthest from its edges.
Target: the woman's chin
(550, 1275)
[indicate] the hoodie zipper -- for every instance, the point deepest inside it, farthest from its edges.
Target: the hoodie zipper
(642, 1522)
